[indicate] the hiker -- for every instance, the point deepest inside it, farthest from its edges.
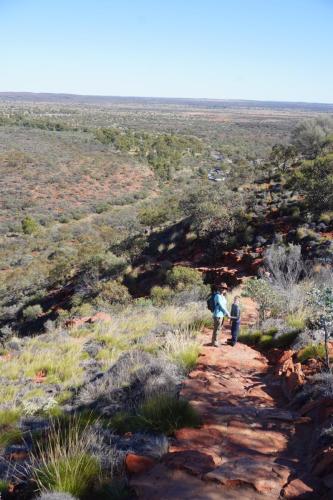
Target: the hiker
(235, 320)
(219, 310)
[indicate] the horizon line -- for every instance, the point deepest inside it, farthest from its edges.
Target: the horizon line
(214, 99)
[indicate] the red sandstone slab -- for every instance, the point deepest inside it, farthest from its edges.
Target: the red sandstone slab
(194, 462)
(264, 475)
(297, 489)
(162, 483)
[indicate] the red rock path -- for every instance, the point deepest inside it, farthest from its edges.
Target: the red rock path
(244, 450)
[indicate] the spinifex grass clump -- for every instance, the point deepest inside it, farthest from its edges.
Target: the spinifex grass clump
(249, 338)
(311, 351)
(166, 414)
(268, 339)
(182, 348)
(64, 462)
(161, 413)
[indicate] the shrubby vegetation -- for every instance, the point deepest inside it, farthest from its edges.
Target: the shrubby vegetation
(163, 152)
(315, 179)
(292, 301)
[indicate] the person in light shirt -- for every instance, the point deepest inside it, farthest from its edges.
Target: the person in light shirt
(220, 311)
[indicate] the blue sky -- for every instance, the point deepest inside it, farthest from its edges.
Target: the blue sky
(224, 49)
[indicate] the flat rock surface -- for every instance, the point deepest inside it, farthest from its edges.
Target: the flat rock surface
(246, 447)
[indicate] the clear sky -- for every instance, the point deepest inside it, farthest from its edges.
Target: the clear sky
(224, 49)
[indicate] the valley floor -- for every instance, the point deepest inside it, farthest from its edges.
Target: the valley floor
(249, 447)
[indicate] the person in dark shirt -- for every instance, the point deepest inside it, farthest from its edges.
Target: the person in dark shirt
(235, 320)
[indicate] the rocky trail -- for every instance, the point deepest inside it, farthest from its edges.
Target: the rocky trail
(250, 445)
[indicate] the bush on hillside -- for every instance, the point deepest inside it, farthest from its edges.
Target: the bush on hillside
(29, 225)
(32, 312)
(214, 210)
(161, 295)
(159, 212)
(181, 278)
(114, 292)
(314, 179)
(310, 136)
(287, 271)
(268, 300)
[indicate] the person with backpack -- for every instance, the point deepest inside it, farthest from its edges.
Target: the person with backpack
(217, 304)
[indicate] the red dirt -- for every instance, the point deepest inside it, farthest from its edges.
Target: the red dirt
(250, 445)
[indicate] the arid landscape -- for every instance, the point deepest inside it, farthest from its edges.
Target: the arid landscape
(117, 215)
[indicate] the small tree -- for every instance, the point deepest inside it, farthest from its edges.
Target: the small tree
(181, 278)
(310, 137)
(286, 269)
(314, 179)
(114, 292)
(262, 292)
(323, 300)
(213, 209)
(283, 157)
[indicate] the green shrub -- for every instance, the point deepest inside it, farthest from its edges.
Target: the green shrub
(154, 215)
(271, 331)
(162, 413)
(29, 225)
(10, 436)
(9, 417)
(266, 341)
(181, 277)
(32, 312)
(143, 302)
(266, 297)
(166, 414)
(114, 292)
(102, 207)
(326, 217)
(311, 351)
(314, 180)
(161, 295)
(249, 338)
(305, 233)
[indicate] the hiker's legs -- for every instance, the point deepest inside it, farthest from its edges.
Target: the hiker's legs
(217, 327)
(234, 332)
